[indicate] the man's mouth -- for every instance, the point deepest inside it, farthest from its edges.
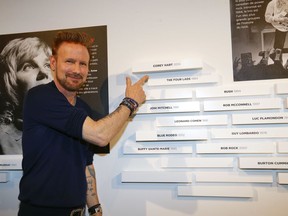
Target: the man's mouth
(74, 76)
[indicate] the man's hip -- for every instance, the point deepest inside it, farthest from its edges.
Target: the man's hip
(26, 209)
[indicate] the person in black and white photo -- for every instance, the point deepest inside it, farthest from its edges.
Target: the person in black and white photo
(24, 63)
(259, 39)
(277, 14)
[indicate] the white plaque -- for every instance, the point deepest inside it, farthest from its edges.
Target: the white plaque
(281, 88)
(260, 118)
(236, 148)
(11, 162)
(233, 91)
(157, 149)
(172, 107)
(233, 177)
(156, 176)
(182, 80)
(283, 178)
(243, 104)
(171, 135)
(173, 65)
(199, 162)
(216, 191)
(161, 94)
(192, 120)
(248, 133)
(4, 177)
(282, 147)
(263, 163)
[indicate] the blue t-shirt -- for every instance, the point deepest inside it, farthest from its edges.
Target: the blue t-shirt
(54, 154)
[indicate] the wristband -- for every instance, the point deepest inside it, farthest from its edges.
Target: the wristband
(132, 101)
(131, 104)
(95, 209)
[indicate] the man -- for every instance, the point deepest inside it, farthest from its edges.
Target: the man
(58, 172)
(277, 14)
(24, 64)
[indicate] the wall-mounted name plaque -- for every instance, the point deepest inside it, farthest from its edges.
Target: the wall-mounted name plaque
(172, 107)
(197, 162)
(236, 148)
(4, 177)
(172, 135)
(216, 191)
(260, 118)
(233, 177)
(233, 91)
(243, 104)
(183, 80)
(281, 88)
(173, 65)
(156, 176)
(157, 149)
(282, 178)
(11, 162)
(282, 147)
(195, 120)
(263, 162)
(247, 133)
(161, 94)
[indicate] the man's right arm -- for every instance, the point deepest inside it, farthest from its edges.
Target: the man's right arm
(269, 12)
(102, 131)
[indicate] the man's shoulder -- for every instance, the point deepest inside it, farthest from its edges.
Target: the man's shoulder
(41, 87)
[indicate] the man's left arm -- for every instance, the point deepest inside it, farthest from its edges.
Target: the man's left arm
(92, 199)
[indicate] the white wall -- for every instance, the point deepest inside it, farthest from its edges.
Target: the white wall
(142, 31)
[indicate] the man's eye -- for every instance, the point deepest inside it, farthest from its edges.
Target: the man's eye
(69, 61)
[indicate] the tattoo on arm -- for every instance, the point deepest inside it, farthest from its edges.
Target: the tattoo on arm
(91, 181)
(91, 171)
(117, 110)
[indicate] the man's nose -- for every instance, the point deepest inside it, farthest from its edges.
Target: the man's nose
(76, 68)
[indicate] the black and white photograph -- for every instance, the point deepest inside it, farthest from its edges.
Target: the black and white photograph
(24, 63)
(259, 39)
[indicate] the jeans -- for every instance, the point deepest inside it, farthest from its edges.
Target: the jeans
(32, 210)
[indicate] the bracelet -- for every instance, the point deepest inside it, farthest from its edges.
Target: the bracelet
(132, 101)
(95, 209)
(131, 104)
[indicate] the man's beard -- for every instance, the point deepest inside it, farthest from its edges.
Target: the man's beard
(65, 84)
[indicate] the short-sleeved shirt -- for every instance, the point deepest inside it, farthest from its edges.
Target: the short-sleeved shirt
(54, 154)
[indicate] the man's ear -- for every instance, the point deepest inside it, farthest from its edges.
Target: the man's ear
(52, 63)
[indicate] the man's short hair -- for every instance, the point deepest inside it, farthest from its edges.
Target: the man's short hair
(72, 37)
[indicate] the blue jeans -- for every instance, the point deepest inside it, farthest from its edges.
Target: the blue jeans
(32, 210)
